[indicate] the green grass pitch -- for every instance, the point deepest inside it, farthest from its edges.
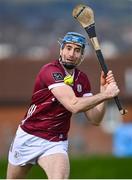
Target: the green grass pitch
(95, 167)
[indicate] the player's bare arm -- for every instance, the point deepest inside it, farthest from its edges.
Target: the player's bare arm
(94, 105)
(96, 114)
(66, 96)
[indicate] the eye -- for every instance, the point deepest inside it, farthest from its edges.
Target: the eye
(68, 48)
(78, 50)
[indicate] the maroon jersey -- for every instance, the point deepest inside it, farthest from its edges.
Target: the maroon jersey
(47, 117)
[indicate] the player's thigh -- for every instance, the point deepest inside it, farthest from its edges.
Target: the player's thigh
(17, 172)
(55, 165)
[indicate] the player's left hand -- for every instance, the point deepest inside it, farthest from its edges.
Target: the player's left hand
(105, 80)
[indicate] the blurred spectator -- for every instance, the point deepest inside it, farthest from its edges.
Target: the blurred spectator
(25, 24)
(122, 140)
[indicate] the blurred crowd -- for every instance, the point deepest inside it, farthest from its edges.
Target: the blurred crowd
(32, 28)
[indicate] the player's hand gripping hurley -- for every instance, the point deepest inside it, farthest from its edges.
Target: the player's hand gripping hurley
(85, 16)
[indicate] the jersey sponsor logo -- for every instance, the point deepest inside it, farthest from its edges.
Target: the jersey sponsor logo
(57, 76)
(79, 88)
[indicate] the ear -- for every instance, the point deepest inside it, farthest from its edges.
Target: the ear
(61, 51)
(82, 57)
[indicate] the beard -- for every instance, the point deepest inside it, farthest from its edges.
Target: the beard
(67, 64)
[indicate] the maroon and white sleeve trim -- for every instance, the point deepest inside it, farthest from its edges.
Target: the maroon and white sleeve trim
(56, 85)
(87, 94)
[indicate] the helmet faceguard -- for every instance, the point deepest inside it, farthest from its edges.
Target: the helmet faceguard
(75, 38)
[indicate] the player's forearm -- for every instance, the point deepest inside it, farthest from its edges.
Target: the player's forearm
(96, 114)
(65, 95)
(86, 103)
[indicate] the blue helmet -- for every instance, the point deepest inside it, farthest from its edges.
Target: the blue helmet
(73, 37)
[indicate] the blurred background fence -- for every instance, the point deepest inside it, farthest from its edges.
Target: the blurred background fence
(29, 31)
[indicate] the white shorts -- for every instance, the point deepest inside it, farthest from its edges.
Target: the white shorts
(27, 148)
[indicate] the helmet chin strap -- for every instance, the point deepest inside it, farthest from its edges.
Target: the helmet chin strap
(66, 64)
(69, 65)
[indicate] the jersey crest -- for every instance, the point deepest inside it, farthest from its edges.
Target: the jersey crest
(79, 88)
(57, 76)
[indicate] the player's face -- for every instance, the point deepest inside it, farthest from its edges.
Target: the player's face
(71, 53)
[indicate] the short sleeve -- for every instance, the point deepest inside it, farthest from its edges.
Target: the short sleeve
(51, 76)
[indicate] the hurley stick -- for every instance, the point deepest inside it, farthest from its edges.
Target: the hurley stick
(85, 16)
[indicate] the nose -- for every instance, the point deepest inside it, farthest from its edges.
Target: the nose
(71, 53)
